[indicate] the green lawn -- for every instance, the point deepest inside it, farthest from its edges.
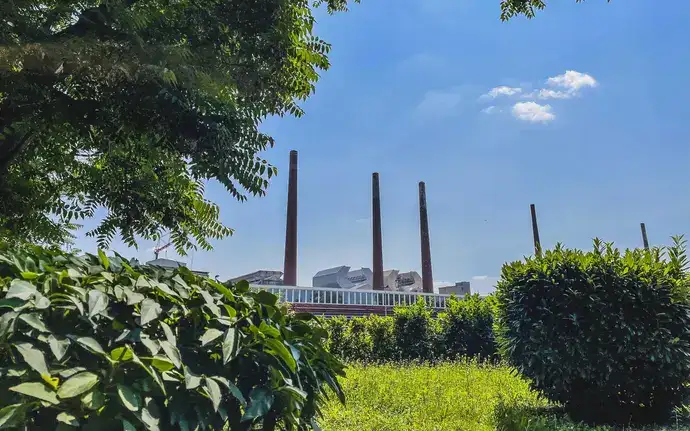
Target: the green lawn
(463, 397)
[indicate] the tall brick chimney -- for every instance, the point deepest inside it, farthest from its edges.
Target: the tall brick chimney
(427, 277)
(645, 241)
(290, 265)
(535, 230)
(377, 240)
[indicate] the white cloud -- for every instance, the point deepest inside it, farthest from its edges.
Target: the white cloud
(480, 277)
(546, 93)
(502, 91)
(533, 112)
(440, 102)
(491, 110)
(572, 81)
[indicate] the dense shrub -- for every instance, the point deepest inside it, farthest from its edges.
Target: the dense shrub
(94, 342)
(467, 328)
(605, 333)
(415, 335)
(381, 330)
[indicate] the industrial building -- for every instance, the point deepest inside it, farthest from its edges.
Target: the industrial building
(263, 277)
(341, 277)
(460, 288)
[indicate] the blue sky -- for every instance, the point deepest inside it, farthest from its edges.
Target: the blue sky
(604, 148)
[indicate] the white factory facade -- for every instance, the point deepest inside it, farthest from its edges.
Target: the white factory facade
(343, 277)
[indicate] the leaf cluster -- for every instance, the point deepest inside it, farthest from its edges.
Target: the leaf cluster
(605, 333)
(415, 333)
(97, 343)
(130, 106)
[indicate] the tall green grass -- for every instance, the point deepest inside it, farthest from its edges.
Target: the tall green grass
(464, 396)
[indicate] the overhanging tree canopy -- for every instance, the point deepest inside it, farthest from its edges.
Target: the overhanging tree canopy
(130, 105)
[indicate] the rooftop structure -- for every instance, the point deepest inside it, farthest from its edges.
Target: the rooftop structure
(263, 277)
(341, 277)
(460, 288)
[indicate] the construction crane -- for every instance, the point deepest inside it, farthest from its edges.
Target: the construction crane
(161, 248)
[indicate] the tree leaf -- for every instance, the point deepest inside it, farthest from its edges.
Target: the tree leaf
(260, 402)
(78, 384)
(151, 344)
(127, 425)
(90, 344)
(210, 335)
(210, 302)
(150, 310)
(172, 353)
(121, 354)
(7, 321)
(278, 348)
(162, 363)
(58, 345)
(93, 400)
(191, 380)
(166, 289)
(21, 289)
(129, 398)
(214, 393)
(41, 302)
(34, 320)
(33, 357)
(12, 415)
(234, 390)
(229, 345)
(150, 415)
(104, 259)
(37, 390)
(28, 275)
(133, 297)
(68, 419)
(169, 335)
(97, 302)
(267, 298)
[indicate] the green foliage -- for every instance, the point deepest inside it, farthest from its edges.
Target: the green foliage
(605, 333)
(414, 333)
(528, 8)
(94, 342)
(381, 332)
(450, 396)
(467, 328)
(131, 106)
(460, 396)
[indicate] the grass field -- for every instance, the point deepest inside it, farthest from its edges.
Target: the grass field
(462, 397)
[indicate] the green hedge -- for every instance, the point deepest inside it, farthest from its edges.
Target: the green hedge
(94, 342)
(605, 333)
(415, 333)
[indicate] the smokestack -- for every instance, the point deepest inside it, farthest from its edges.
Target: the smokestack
(290, 266)
(377, 241)
(644, 236)
(427, 278)
(535, 231)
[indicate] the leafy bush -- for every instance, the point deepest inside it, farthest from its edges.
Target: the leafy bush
(94, 342)
(357, 346)
(381, 330)
(467, 328)
(605, 333)
(415, 337)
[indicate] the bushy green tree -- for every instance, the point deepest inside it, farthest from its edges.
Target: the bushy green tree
(131, 105)
(467, 328)
(95, 343)
(415, 335)
(605, 333)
